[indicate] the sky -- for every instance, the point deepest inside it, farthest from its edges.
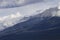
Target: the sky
(14, 3)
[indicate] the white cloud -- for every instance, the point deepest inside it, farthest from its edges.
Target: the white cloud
(58, 13)
(11, 16)
(59, 5)
(20, 1)
(0, 19)
(11, 19)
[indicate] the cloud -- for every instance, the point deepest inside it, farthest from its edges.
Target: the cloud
(11, 19)
(11, 16)
(16, 3)
(19, 3)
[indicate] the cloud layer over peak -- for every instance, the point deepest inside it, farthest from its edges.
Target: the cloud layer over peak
(11, 16)
(11, 19)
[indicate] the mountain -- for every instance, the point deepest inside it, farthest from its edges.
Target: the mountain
(43, 25)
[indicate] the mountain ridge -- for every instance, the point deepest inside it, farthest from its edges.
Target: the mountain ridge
(30, 24)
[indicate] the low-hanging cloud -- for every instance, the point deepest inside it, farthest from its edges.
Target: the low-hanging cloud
(11, 19)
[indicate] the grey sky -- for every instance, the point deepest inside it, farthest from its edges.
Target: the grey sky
(15, 3)
(18, 3)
